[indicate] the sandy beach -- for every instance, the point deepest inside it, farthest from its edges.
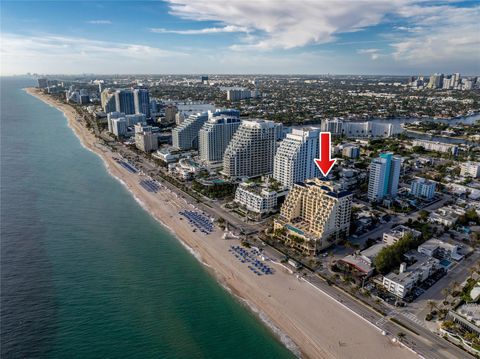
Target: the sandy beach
(308, 321)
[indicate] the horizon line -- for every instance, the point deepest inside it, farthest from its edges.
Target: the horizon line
(223, 74)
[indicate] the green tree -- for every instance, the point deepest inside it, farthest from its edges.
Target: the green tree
(391, 256)
(423, 215)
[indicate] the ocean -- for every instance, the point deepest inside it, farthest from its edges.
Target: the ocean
(86, 272)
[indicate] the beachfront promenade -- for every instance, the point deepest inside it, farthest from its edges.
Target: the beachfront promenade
(294, 306)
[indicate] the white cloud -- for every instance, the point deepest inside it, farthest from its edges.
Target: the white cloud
(449, 37)
(51, 53)
(408, 29)
(288, 24)
(100, 22)
(438, 35)
(209, 30)
(373, 53)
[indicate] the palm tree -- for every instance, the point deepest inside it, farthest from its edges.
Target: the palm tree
(448, 324)
(446, 292)
(472, 270)
(432, 305)
(330, 254)
(455, 285)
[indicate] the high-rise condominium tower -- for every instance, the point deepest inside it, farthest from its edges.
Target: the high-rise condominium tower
(294, 159)
(384, 177)
(108, 101)
(250, 152)
(185, 135)
(141, 99)
(124, 101)
(314, 216)
(215, 135)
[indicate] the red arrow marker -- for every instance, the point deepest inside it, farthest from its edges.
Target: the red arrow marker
(325, 164)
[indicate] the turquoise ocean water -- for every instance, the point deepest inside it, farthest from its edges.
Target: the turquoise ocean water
(86, 272)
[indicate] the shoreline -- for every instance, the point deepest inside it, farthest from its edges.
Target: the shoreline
(306, 321)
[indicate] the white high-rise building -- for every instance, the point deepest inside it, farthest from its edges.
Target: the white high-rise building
(294, 159)
(111, 116)
(250, 152)
(384, 177)
(335, 126)
(185, 135)
(215, 135)
(256, 198)
(128, 120)
(119, 126)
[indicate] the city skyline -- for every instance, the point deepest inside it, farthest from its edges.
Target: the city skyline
(181, 36)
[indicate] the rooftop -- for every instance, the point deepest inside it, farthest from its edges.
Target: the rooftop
(422, 264)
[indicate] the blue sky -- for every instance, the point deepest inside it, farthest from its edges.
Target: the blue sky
(241, 36)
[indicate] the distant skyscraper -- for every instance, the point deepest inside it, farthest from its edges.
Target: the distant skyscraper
(455, 80)
(215, 135)
(141, 99)
(42, 83)
(124, 101)
(384, 177)
(170, 112)
(239, 94)
(435, 81)
(447, 83)
(250, 152)
(108, 101)
(294, 159)
(335, 126)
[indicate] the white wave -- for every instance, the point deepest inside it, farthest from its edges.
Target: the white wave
(284, 338)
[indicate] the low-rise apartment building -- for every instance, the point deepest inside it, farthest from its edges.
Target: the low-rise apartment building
(401, 283)
(397, 233)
